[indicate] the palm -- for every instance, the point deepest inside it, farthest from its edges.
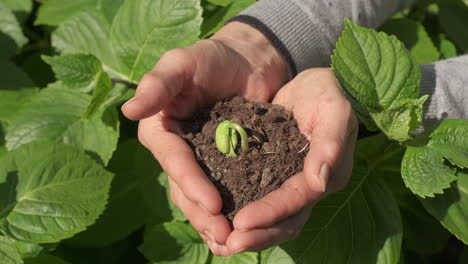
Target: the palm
(219, 74)
(325, 117)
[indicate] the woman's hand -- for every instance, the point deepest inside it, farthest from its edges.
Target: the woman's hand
(238, 60)
(326, 118)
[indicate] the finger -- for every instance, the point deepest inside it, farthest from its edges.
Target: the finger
(331, 146)
(170, 76)
(177, 159)
(260, 239)
(289, 199)
(215, 227)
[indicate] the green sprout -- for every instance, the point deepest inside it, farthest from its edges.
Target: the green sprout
(226, 138)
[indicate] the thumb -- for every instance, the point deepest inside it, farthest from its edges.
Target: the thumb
(331, 151)
(173, 73)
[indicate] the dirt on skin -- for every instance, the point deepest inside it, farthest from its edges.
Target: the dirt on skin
(276, 150)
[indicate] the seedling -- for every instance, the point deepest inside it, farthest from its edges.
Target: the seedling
(226, 138)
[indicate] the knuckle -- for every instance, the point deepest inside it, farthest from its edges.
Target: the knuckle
(333, 148)
(179, 56)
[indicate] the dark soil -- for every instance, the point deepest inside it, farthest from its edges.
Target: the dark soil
(277, 150)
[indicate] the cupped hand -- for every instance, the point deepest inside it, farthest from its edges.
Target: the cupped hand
(238, 60)
(326, 118)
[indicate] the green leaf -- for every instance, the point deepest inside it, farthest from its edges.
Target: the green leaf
(94, 135)
(8, 252)
(133, 166)
(451, 208)
(174, 242)
(15, 90)
(101, 91)
(175, 214)
(453, 17)
(88, 32)
(76, 70)
(216, 21)
(59, 191)
(416, 222)
(144, 29)
(362, 222)
(380, 79)
(22, 8)
(54, 12)
(221, 2)
(11, 36)
(56, 114)
(275, 255)
(244, 258)
(423, 167)
(28, 250)
(401, 118)
(46, 259)
(110, 8)
(447, 48)
(414, 36)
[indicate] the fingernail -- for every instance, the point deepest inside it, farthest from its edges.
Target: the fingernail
(211, 237)
(131, 100)
(324, 172)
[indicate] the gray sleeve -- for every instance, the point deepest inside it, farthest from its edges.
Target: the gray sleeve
(447, 84)
(305, 31)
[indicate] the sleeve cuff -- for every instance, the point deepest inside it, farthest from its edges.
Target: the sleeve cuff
(290, 31)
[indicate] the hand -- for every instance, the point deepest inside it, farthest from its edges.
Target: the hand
(326, 118)
(238, 60)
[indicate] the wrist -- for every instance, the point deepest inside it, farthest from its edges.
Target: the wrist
(255, 48)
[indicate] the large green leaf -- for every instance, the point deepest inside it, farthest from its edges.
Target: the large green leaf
(423, 168)
(76, 70)
(22, 8)
(453, 16)
(360, 224)
(174, 242)
(15, 90)
(56, 114)
(8, 252)
(144, 29)
(59, 191)
(244, 258)
(133, 167)
(414, 36)
(141, 32)
(88, 32)
(11, 36)
(54, 12)
(451, 208)
(380, 79)
(222, 15)
(159, 191)
(109, 8)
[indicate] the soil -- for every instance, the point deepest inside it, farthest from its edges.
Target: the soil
(276, 150)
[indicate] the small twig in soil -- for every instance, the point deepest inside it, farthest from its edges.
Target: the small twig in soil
(304, 148)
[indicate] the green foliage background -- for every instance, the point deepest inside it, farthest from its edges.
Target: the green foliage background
(77, 187)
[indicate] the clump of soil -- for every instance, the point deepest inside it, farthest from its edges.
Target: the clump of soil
(277, 150)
